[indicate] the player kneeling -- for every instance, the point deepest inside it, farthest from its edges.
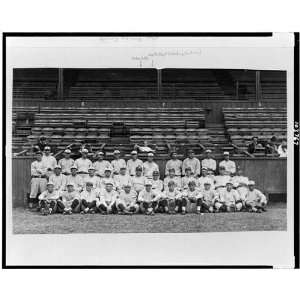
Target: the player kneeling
(89, 199)
(126, 203)
(148, 199)
(108, 199)
(69, 201)
(193, 196)
(170, 199)
(255, 200)
(48, 200)
(229, 200)
(209, 197)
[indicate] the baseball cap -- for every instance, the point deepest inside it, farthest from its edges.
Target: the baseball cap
(229, 182)
(139, 168)
(109, 183)
(207, 182)
(57, 167)
(67, 151)
(171, 182)
(127, 184)
(85, 151)
(47, 148)
(116, 152)
(100, 153)
(188, 168)
(172, 169)
(190, 151)
(107, 169)
(226, 153)
(150, 154)
(204, 168)
(208, 151)
(133, 152)
(70, 184)
(89, 183)
(73, 167)
(50, 183)
(148, 182)
(251, 182)
(123, 167)
(91, 168)
(39, 152)
(192, 182)
(155, 172)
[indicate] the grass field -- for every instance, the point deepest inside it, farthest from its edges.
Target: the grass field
(33, 223)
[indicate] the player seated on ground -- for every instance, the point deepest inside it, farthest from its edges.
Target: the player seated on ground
(255, 200)
(192, 195)
(228, 164)
(117, 163)
(101, 164)
(133, 163)
(126, 203)
(174, 163)
(107, 178)
(208, 162)
(203, 178)
(228, 200)
(157, 184)
(75, 179)
(122, 179)
(148, 199)
(149, 166)
(240, 183)
(221, 180)
(108, 199)
(187, 178)
(69, 201)
(89, 199)
(91, 177)
(172, 177)
(38, 183)
(138, 181)
(59, 180)
(48, 200)
(192, 162)
(170, 199)
(66, 163)
(83, 164)
(209, 197)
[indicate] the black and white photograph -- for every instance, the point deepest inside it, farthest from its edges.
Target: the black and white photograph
(150, 135)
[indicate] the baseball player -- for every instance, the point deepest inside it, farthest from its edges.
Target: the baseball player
(170, 198)
(148, 199)
(107, 178)
(92, 178)
(83, 164)
(192, 162)
(122, 179)
(172, 177)
(209, 197)
(186, 178)
(221, 180)
(157, 184)
(38, 182)
(49, 160)
(229, 165)
(209, 163)
(240, 182)
(138, 181)
(69, 201)
(89, 199)
(75, 179)
(108, 199)
(59, 180)
(174, 164)
(203, 178)
(126, 203)
(101, 164)
(255, 200)
(66, 163)
(149, 166)
(133, 163)
(117, 163)
(229, 199)
(48, 200)
(193, 196)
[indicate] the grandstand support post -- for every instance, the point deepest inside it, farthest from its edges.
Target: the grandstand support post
(257, 88)
(60, 86)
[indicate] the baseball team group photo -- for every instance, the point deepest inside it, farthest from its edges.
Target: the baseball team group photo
(147, 150)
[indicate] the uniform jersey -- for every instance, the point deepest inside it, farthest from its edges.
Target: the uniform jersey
(66, 164)
(138, 183)
(46, 195)
(148, 168)
(175, 164)
(108, 198)
(221, 180)
(89, 196)
(132, 165)
(38, 168)
(202, 179)
(148, 197)
(209, 163)
(83, 164)
(157, 185)
(229, 197)
(69, 197)
(209, 196)
(241, 185)
(185, 181)
(105, 180)
(121, 181)
(193, 163)
(229, 166)
(117, 164)
(177, 181)
(77, 181)
(94, 179)
(59, 181)
(127, 198)
(100, 167)
(189, 194)
(174, 195)
(255, 196)
(49, 161)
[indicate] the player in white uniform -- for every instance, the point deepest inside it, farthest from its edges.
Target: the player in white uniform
(66, 163)
(240, 182)
(209, 163)
(75, 179)
(229, 199)
(118, 162)
(174, 163)
(187, 178)
(193, 196)
(149, 166)
(107, 178)
(228, 164)
(83, 164)
(91, 177)
(192, 162)
(255, 200)
(108, 199)
(133, 163)
(221, 180)
(148, 199)
(69, 201)
(59, 180)
(126, 203)
(101, 165)
(209, 197)
(89, 199)
(172, 177)
(48, 200)
(49, 161)
(157, 184)
(203, 178)
(138, 181)
(170, 198)
(122, 179)
(38, 182)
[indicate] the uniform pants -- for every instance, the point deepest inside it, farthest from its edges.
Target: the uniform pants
(104, 208)
(37, 186)
(85, 204)
(74, 206)
(131, 208)
(144, 206)
(206, 206)
(49, 204)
